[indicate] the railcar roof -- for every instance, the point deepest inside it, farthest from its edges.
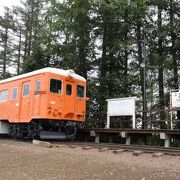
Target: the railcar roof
(67, 73)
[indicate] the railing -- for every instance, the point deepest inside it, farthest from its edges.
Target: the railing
(96, 120)
(155, 119)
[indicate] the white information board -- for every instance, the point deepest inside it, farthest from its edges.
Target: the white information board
(175, 99)
(121, 107)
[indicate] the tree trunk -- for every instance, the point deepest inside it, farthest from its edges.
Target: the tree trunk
(173, 48)
(161, 68)
(82, 62)
(140, 59)
(31, 29)
(19, 51)
(5, 53)
(103, 68)
(125, 74)
(26, 41)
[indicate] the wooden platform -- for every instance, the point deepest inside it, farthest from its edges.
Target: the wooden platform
(165, 134)
(130, 131)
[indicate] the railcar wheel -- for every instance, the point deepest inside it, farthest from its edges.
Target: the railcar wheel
(33, 130)
(70, 129)
(18, 131)
(13, 131)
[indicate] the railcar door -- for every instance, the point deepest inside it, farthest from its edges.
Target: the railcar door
(36, 97)
(25, 102)
(69, 99)
(80, 100)
(14, 104)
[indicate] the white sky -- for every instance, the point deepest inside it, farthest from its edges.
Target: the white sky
(8, 3)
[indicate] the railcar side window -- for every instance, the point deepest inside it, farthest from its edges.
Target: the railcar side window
(80, 91)
(3, 95)
(14, 93)
(26, 90)
(68, 89)
(38, 83)
(55, 86)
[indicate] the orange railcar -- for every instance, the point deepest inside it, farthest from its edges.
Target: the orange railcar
(45, 103)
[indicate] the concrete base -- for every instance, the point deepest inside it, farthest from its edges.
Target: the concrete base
(123, 134)
(128, 140)
(93, 134)
(166, 139)
(97, 139)
(110, 139)
(167, 143)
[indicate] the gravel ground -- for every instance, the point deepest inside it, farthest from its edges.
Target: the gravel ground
(23, 161)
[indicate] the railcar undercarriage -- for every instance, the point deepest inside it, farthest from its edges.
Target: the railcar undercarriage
(43, 129)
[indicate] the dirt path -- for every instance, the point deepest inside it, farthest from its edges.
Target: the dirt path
(23, 161)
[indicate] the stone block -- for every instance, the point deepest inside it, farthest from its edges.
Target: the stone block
(118, 151)
(42, 143)
(92, 133)
(86, 148)
(97, 138)
(158, 154)
(137, 153)
(102, 149)
(163, 135)
(128, 140)
(123, 134)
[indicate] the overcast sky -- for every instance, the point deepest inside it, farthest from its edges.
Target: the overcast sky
(8, 3)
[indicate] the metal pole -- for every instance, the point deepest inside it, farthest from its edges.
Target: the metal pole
(170, 104)
(145, 100)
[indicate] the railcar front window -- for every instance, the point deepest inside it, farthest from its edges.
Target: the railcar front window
(26, 90)
(38, 83)
(68, 89)
(14, 93)
(3, 95)
(55, 86)
(80, 91)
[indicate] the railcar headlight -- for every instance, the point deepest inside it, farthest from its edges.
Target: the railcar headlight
(70, 72)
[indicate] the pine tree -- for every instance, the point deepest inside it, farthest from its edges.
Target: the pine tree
(5, 43)
(33, 57)
(72, 29)
(114, 30)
